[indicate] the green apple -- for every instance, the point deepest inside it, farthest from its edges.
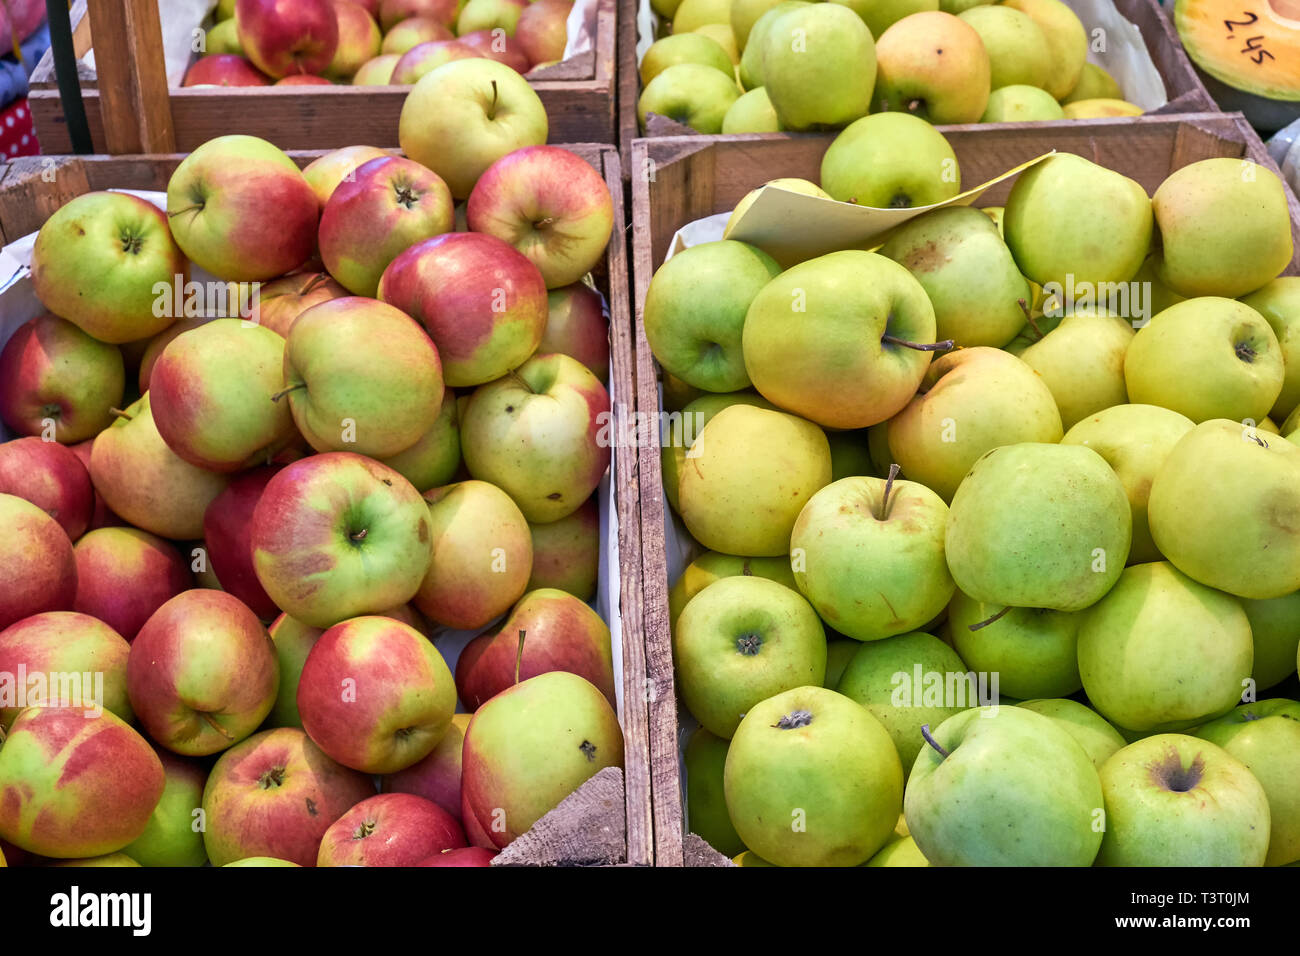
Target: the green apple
(1225, 347)
(695, 311)
(695, 13)
(705, 758)
(906, 682)
(1067, 43)
(721, 34)
(1173, 800)
(712, 566)
(838, 654)
(891, 161)
(1033, 650)
(752, 113)
(1082, 363)
(751, 59)
(1068, 217)
(970, 402)
(1225, 509)
(1279, 304)
(895, 529)
(880, 15)
(1224, 227)
(174, 834)
(1161, 652)
(900, 852)
(819, 67)
(1004, 786)
(1020, 103)
(1265, 736)
(744, 14)
(1094, 84)
(1275, 630)
(958, 256)
(933, 65)
(684, 48)
(1089, 729)
(689, 93)
(812, 779)
(1018, 50)
(1037, 525)
(685, 427)
(843, 339)
(740, 641)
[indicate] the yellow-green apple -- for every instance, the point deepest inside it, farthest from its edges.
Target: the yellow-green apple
(98, 260)
(437, 776)
(223, 37)
(695, 311)
(338, 535)
(377, 71)
(819, 67)
(751, 61)
(146, 482)
(211, 395)
(50, 476)
(359, 40)
(482, 301)
(958, 256)
(880, 15)
(1094, 84)
(323, 175)
(283, 300)
(539, 435)
(1224, 228)
(901, 851)
(1088, 728)
(812, 779)
(742, 16)
(284, 38)
(464, 856)
(225, 69)
(388, 205)
(691, 93)
(494, 44)
(690, 14)
(1052, 229)
(722, 34)
(705, 759)
(1225, 509)
(1161, 652)
(865, 163)
(566, 553)
(1265, 736)
(154, 350)
(1227, 348)
(1039, 525)
(217, 201)
(125, 574)
(528, 748)
(389, 829)
(362, 376)
(843, 339)
(957, 803)
(933, 65)
(559, 633)
(576, 325)
(542, 30)
(1174, 800)
(1034, 650)
(752, 112)
(1275, 632)
(551, 205)
(482, 555)
(392, 12)
(489, 15)
(1081, 362)
(739, 502)
(712, 566)
(51, 372)
(171, 837)
(75, 786)
(894, 527)
(1279, 304)
(1093, 109)
(1017, 49)
(684, 428)
(275, 794)
(424, 58)
(228, 536)
(461, 120)
(740, 641)
(1067, 44)
(63, 659)
(970, 402)
(202, 674)
(1021, 103)
(412, 32)
(397, 694)
(36, 562)
(435, 458)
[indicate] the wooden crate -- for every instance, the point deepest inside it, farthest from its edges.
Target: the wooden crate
(607, 820)
(681, 179)
(1187, 94)
(578, 93)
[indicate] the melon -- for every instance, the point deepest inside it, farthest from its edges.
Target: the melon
(1248, 53)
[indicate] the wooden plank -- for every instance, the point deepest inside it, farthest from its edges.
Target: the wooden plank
(629, 82)
(133, 89)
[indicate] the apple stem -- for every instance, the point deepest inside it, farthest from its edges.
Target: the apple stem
(925, 732)
(514, 373)
(217, 727)
(121, 414)
(197, 205)
(943, 346)
(889, 486)
(990, 620)
(1029, 317)
(279, 395)
(519, 654)
(492, 110)
(316, 279)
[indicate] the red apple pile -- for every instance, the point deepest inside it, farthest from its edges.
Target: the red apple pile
(224, 593)
(369, 43)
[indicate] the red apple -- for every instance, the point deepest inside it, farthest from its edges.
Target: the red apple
(426, 57)
(576, 325)
(286, 298)
(465, 856)
(303, 79)
(57, 381)
(482, 301)
(124, 575)
(390, 829)
(392, 12)
(228, 532)
(551, 205)
(50, 476)
(389, 205)
(496, 44)
(101, 515)
(359, 40)
(275, 795)
(202, 673)
(413, 31)
(324, 174)
(543, 30)
(225, 69)
(377, 71)
(566, 553)
(437, 776)
(36, 562)
(287, 37)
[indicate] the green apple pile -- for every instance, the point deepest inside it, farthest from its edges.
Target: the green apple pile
(246, 515)
(1000, 524)
(372, 42)
(795, 65)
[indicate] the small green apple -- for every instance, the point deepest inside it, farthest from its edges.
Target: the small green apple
(1021, 103)
(683, 48)
(751, 59)
(752, 113)
(1033, 650)
(819, 66)
(712, 566)
(689, 93)
(891, 161)
(1017, 48)
(1082, 362)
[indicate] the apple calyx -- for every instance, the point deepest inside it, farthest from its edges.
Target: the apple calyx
(1245, 352)
(121, 414)
(794, 720)
(132, 244)
(929, 739)
(519, 653)
(271, 778)
(989, 620)
(749, 644)
(1170, 773)
(406, 196)
(943, 346)
(364, 830)
(889, 486)
(356, 537)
